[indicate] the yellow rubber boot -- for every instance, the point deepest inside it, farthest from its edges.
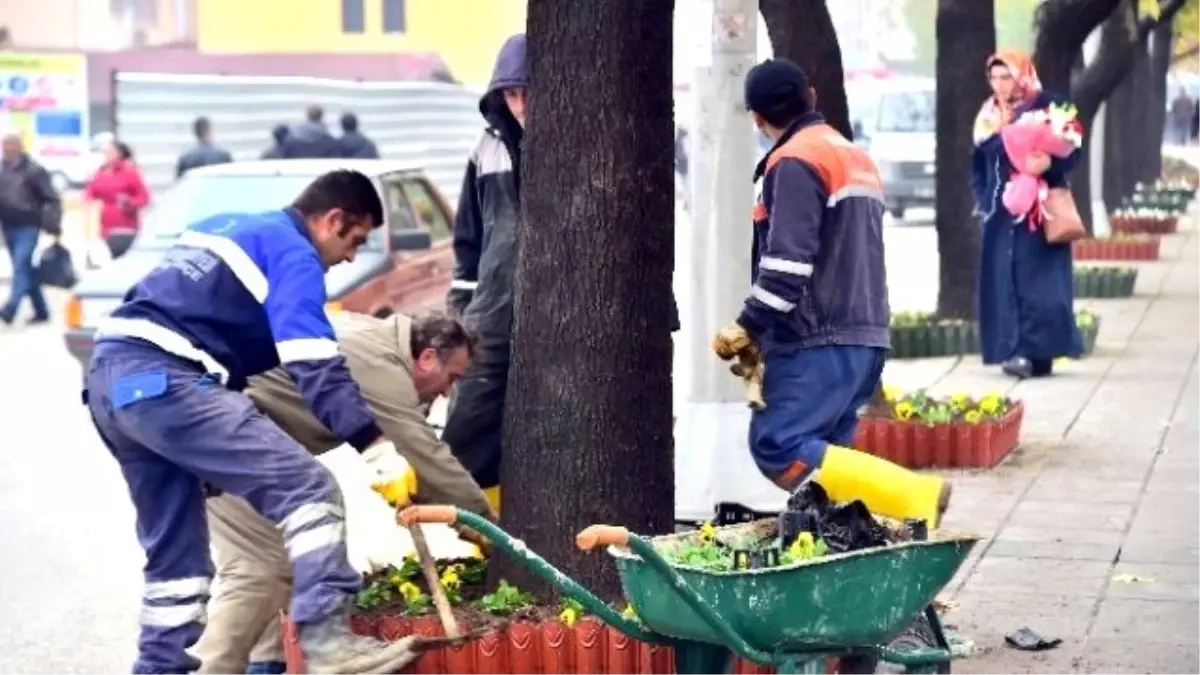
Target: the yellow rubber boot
(887, 489)
(492, 495)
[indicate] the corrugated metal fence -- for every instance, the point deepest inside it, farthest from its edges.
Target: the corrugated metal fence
(430, 124)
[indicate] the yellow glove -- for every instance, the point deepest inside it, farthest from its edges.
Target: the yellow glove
(394, 478)
(731, 341)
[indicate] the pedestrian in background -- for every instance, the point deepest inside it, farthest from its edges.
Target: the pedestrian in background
(117, 194)
(1026, 301)
(310, 139)
(279, 136)
(205, 152)
(1180, 122)
(28, 204)
(353, 142)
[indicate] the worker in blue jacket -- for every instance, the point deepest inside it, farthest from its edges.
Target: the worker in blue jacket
(238, 295)
(818, 307)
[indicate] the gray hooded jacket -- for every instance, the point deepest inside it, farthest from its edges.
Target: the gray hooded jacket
(485, 231)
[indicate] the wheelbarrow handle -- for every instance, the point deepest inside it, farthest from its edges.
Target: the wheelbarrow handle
(516, 550)
(602, 535)
(428, 513)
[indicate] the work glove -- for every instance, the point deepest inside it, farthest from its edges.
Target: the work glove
(734, 341)
(394, 478)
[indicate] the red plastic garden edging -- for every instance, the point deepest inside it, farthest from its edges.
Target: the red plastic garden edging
(1116, 249)
(918, 445)
(547, 646)
(1134, 225)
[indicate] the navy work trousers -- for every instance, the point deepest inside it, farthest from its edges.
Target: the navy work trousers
(812, 396)
(172, 428)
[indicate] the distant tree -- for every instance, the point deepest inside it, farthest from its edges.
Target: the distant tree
(802, 31)
(966, 37)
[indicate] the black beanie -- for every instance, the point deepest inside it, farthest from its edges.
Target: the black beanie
(773, 84)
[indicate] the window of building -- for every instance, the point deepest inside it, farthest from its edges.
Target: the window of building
(354, 18)
(393, 16)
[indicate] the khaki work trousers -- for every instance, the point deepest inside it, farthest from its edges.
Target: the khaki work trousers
(254, 583)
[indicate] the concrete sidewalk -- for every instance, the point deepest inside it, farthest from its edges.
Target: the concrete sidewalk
(1091, 526)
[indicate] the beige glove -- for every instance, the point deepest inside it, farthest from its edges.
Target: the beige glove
(734, 341)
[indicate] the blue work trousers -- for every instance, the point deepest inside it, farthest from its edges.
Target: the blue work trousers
(173, 428)
(812, 396)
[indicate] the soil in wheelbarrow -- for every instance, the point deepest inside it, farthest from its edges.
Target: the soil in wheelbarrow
(844, 527)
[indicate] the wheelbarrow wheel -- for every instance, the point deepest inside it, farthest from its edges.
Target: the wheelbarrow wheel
(919, 635)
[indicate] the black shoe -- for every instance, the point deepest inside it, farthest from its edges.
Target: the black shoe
(1041, 367)
(38, 320)
(1018, 367)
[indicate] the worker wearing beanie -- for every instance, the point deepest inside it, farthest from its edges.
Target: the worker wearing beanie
(818, 308)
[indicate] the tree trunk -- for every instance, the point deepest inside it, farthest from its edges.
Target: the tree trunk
(588, 427)
(1126, 114)
(802, 32)
(1162, 43)
(966, 36)
(1062, 28)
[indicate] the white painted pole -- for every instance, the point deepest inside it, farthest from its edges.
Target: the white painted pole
(1100, 226)
(712, 459)
(722, 195)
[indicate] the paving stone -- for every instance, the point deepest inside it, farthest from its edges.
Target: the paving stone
(1015, 541)
(1152, 621)
(1071, 487)
(1134, 656)
(1051, 579)
(987, 617)
(1156, 582)
(1070, 516)
(1172, 514)
(1155, 547)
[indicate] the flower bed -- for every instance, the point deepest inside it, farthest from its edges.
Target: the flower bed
(1104, 282)
(510, 633)
(917, 335)
(1143, 221)
(1171, 196)
(1180, 175)
(919, 431)
(1120, 247)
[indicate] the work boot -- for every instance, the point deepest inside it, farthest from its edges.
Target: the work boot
(329, 646)
(887, 489)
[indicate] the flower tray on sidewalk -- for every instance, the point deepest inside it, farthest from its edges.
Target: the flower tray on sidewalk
(1104, 282)
(922, 432)
(1089, 327)
(1140, 223)
(521, 646)
(916, 336)
(1124, 247)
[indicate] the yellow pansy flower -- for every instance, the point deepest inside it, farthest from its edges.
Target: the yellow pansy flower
(959, 400)
(973, 416)
(892, 393)
(905, 410)
(707, 531)
(450, 578)
(569, 616)
(410, 591)
(990, 404)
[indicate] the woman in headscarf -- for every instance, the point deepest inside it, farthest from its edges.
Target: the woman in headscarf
(1026, 309)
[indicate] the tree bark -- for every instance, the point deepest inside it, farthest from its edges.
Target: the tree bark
(1162, 44)
(966, 37)
(588, 428)
(802, 32)
(1062, 28)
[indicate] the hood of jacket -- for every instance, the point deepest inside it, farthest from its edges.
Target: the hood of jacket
(510, 71)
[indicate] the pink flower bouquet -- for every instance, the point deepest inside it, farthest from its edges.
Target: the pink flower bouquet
(1055, 132)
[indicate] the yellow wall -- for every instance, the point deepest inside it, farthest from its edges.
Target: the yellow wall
(467, 33)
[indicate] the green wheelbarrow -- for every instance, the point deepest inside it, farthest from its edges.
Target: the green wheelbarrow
(859, 606)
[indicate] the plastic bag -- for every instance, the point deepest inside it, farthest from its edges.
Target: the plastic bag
(55, 267)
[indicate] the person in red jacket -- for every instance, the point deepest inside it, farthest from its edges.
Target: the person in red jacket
(121, 193)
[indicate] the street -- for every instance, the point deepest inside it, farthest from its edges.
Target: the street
(1091, 527)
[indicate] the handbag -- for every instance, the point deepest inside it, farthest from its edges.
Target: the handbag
(55, 267)
(1061, 220)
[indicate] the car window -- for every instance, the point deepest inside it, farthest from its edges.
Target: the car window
(907, 112)
(428, 209)
(399, 209)
(197, 197)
